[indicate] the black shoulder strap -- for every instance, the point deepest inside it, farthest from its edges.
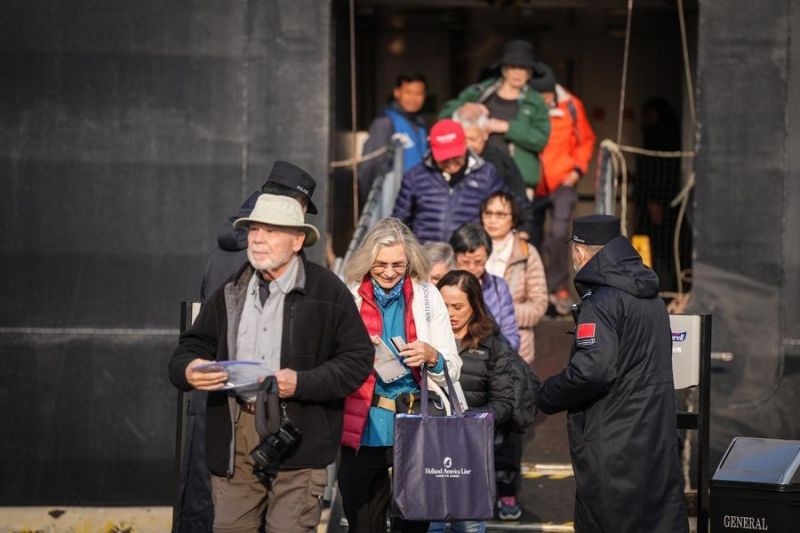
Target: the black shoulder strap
(268, 413)
(573, 111)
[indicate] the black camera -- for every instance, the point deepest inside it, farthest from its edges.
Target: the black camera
(270, 453)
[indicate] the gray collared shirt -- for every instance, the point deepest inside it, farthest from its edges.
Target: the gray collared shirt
(261, 327)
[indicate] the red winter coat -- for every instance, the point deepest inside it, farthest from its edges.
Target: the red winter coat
(571, 143)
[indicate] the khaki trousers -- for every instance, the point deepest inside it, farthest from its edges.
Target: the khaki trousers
(292, 504)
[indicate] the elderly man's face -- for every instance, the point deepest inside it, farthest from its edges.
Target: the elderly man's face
(452, 165)
(270, 248)
(410, 96)
(476, 139)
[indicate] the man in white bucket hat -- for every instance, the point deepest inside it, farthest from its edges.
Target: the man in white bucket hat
(298, 320)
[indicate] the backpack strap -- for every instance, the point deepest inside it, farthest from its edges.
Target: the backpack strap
(573, 112)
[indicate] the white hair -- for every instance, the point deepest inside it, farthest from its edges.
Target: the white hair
(474, 118)
(440, 252)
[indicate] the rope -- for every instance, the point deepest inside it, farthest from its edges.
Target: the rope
(624, 72)
(353, 111)
(620, 169)
(359, 159)
(683, 198)
(687, 68)
(615, 150)
(653, 153)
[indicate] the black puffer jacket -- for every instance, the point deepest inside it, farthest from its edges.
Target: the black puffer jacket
(231, 252)
(486, 378)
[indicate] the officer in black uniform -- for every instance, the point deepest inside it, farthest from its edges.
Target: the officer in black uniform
(618, 390)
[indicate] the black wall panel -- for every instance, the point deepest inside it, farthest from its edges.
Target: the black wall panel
(746, 267)
(128, 132)
(93, 423)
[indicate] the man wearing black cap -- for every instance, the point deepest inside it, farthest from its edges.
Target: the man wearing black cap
(618, 390)
(518, 119)
(284, 179)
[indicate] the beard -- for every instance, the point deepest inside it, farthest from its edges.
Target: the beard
(273, 261)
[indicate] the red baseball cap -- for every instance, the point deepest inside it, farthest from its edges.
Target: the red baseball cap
(447, 140)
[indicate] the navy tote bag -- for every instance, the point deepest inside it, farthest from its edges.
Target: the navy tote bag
(443, 465)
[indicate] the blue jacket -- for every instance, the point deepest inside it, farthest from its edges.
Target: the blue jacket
(498, 299)
(434, 209)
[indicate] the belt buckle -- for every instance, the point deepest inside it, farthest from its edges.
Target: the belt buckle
(387, 404)
(247, 407)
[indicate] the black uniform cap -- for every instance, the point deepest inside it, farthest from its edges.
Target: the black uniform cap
(595, 229)
(295, 178)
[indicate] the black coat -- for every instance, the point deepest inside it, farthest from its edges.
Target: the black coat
(231, 252)
(323, 339)
(619, 392)
(486, 378)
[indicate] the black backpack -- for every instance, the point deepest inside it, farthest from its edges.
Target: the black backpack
(525, 384)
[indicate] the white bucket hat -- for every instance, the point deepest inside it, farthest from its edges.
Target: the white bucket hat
(280, 211)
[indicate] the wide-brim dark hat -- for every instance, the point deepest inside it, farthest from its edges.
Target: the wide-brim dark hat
(295, 178)
(519, 53)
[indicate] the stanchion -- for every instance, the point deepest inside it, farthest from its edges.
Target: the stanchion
(691, 363)
(189, 311)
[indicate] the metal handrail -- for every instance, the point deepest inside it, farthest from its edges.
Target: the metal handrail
(379, 204)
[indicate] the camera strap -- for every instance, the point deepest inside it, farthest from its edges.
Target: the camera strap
(268, 413)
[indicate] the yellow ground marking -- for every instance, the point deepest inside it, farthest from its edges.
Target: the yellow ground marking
(553, 471)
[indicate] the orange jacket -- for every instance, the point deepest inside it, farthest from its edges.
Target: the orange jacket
(571, 143)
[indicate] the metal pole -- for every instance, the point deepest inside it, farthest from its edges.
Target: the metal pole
(391, 185)
(704, 398)
(604, 184)
(624, 73)
(353, 107)
(182, 417)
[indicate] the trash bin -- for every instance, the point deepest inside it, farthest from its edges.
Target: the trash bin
(757, 487)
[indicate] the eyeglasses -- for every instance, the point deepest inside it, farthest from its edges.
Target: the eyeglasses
(496, 214)
(380, 268)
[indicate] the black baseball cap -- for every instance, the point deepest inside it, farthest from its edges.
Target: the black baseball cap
(595, 229)
(295, 178)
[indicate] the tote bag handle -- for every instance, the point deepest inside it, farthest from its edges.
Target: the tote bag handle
(455, 405)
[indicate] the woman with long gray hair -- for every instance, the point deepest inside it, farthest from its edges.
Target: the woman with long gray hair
(388, 276)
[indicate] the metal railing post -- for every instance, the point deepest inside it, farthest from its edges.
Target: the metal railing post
(605, 193)
(703, 426)
(184, 401)
(391, 184)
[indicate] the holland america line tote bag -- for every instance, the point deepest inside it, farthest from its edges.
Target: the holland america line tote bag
(443, 465)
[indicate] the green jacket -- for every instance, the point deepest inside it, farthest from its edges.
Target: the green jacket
(527, 133)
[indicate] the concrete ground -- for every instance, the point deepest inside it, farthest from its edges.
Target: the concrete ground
(57, 519)
(546, 494)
